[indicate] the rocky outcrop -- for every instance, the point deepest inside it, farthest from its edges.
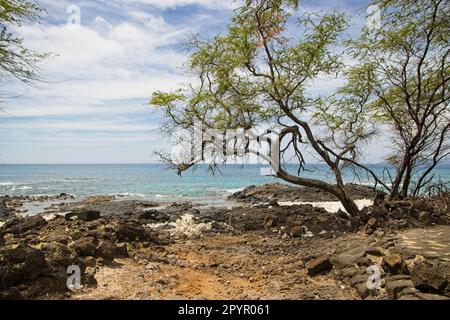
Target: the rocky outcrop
(394, 264)
(278, 192)
(398, 215)
(20, 226)
(35, 254)
(84, 214)
(354, 257)
(400, 274)
(5, 213)
(299, 221)
(20, 264)
(398, 286)
(97, 233)
(318, 265)
(432, 276)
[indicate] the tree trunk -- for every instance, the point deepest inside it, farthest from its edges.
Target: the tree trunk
(349, 205)
(395, 191)
(406, 182)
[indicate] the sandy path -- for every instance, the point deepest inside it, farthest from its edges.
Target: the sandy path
(222, 267)
(429, 242)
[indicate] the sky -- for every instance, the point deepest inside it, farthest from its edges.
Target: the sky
(93, 105)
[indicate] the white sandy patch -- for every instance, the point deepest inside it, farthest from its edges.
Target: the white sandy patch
(52, 216)
(185, 226)
(232, 191)
(332, 206)
(155, 208)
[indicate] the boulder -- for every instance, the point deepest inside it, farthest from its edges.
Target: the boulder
(63, 238)
(318, 265)
(84, 214)
(58, 254)
(431, 277)
(89, 262)
(350, 272)
(148, 214)
(129, 231)
(4, 211)
(84, 246)
(122, 250)
(298, 231)
(364, 291)
(364, 262)
(395, 287)
(347, 258)
(373, 251)
(350, 257)
(358, 279)
(106, 249)
(19, 265)
(408, 292)
(19, 226)
(394, 264)
(399, 277)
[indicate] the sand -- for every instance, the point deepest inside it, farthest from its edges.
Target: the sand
(332, 206)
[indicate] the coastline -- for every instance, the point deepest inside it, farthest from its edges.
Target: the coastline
(283, 194)
(139, 249)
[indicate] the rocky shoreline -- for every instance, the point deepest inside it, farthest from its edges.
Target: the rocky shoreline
(279, 192)
(258, 249)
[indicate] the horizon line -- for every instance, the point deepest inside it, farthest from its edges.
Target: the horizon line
(160, 163)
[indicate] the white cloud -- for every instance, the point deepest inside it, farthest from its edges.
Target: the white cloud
(98, 82)
(77, 125)
(210, 4)
(125, 61)
(100, 78)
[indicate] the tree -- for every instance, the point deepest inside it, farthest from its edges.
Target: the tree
(403, 73)
(255, 74)
(16, 61)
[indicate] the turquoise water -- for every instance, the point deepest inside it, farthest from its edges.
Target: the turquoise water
(151, 181)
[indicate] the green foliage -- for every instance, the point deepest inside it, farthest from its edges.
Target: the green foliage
(407, 85)
(16, 61)
(255, 71)
(409, 54)
(258, 72)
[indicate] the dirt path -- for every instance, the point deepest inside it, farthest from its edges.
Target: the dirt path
(222, 267)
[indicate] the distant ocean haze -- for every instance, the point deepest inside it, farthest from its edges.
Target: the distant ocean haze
(154, 181)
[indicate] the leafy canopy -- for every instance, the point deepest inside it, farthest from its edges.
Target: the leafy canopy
(258, 70)
(16, 61)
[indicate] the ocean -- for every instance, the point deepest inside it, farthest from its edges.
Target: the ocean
(151, 181)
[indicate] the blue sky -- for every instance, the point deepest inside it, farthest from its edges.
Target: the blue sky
(93, 107)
